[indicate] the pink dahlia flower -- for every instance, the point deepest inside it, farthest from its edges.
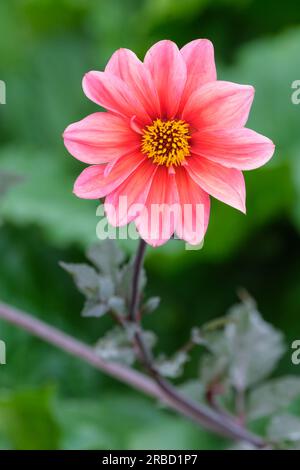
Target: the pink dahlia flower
(173, 135)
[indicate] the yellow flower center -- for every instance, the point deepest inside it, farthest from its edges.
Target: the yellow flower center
(166, 142)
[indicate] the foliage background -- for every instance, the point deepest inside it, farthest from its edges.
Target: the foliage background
(47, 399)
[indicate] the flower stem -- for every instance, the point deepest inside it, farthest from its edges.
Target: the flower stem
(157, 387)
(76, 348)
(138, 265)
(135, 379)
(203, 415)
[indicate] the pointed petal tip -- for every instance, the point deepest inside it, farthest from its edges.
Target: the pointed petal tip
(164, 42)
(240, 205)
(67, 131)
(243, 209)
(85, 78)
(76, 191)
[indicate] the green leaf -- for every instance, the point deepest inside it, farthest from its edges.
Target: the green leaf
(106, 256)
(28, 420)
(124, 288)
(246, 351)
(148, 337)
(254, 345)
(115, 346)
(194, 389)
(151, 304)
(213, 368)
(272, 396)
(94, 309)
(108, 285)
(284, 427)
(85, 277)
(117, 305)
(106, 288)
(172, 367)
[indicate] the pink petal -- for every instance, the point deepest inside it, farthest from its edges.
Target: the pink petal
(127, 201)
(195, 206)
(100, 137)
(112, 93)
(243, 149)
(200, 63)
(219, 105)
(156, 222)
(93, 184)
(168, 70)
(125, 64)
(225, 184)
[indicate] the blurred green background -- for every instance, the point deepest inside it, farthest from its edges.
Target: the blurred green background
(47, 399)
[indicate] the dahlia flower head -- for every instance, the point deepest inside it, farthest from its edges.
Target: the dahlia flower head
(171, 137)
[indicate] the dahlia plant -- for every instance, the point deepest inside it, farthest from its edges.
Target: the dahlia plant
(172, 136)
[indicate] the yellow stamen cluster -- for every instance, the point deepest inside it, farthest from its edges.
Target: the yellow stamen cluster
(166, 142)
